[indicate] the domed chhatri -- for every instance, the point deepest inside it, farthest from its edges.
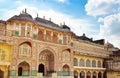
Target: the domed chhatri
(64, 26)
(23, 16)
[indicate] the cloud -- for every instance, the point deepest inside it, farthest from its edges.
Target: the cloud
(110, 28)
(107, 13)
(102, 7)
(63, 1)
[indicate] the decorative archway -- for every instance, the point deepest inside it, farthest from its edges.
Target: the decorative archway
(23, 69)
(1, 74)
(88, 75)
(41, 69)
(47, 57)
(94, 74)
(82, 74)
(66, 70)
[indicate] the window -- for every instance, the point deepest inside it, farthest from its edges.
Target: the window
(81, 63)
(93, 63)
(2, 55)
(55, 38)
(41, 35)
(64, 39)
(25, 50)
(99, 64)
(75, 62)
(66, 55)
(22, 31)
(87, 63)
(28, 31)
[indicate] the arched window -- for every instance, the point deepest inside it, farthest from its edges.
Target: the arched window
(88, 63)
(55, 38)
(23, 31)
(66, 55)
(24, 49)
(93, 63)
(99, 64)
(81, 63)
(75, 62)
(82, 74)
(64, 39)
(41, 35)
(48, 36)
(28, 31)
(88, 74)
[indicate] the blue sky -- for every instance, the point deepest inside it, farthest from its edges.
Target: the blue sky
(97, 18)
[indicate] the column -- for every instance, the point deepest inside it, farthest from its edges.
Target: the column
(96, 74)
(102, 75)
(91, 75)
(44, 35)
(85, 75)
(78, 75)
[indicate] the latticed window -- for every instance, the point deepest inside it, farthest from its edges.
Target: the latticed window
(66, 55)
(2, 55)
(25, 50)
(87, 63)
(41, 35)
(93, 63)
(99, 64)
(81, 63)
(22, 31)
(75, 62)
(64, 39)
(28, 31)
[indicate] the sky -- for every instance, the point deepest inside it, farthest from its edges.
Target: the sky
(98, 19)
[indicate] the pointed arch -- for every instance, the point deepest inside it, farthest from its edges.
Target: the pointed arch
(25, 49)
(23, 69)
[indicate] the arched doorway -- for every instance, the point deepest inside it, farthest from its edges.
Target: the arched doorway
(99, 75)
(88, 75)
(23, 69)
(82, 74)
(75, 74)
(1, 74)
(47, 58)
(66, 70)
(94, 75)
(41, 69)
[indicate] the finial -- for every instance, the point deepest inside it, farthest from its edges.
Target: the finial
(22, 11)
(64, 23)
(60, 24)
(43, 17)
(25, 10)
(49, 19)
(83, 34)
(37, 14)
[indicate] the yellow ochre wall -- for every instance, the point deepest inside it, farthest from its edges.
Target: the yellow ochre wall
(4, 64)
(113, 74)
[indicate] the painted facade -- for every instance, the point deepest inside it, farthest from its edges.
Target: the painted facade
(39, 47)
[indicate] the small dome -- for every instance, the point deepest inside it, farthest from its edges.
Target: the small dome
(25, 15)
(65, 27)
(109, 45)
